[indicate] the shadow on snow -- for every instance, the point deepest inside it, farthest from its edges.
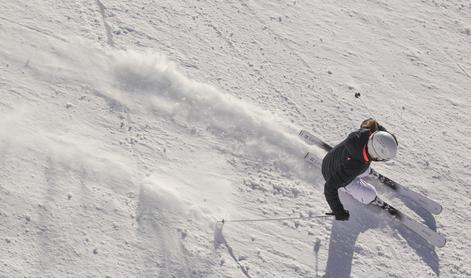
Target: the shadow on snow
(344, 236)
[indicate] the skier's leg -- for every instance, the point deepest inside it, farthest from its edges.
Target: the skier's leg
(361, 191)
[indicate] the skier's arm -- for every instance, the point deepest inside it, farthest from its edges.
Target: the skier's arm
(332, 197)
(340, 178)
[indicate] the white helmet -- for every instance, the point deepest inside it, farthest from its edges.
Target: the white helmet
(382, 146)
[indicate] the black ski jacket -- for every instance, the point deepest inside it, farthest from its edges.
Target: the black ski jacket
(344, 163)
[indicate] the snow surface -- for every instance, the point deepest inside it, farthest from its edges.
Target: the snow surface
(129, 128)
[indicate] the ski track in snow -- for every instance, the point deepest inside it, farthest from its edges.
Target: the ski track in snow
(109, 34)
(117, 161)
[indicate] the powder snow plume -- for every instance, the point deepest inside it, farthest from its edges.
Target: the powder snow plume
(154, 81)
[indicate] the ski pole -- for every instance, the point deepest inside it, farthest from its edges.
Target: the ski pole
(275, 219)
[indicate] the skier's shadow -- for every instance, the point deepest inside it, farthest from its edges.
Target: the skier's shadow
(345, 234)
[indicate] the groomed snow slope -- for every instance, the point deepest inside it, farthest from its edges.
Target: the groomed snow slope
(127, 129)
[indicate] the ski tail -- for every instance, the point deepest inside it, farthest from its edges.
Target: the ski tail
(310, 139)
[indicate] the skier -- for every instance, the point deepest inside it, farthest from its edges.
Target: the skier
(348, 163)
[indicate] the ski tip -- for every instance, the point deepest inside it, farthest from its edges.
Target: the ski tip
(440, 243)
(431, 206)
(439, 210)
(444, 243)
(437, 240)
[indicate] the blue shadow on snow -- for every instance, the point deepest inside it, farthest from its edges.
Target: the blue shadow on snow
(344, 236)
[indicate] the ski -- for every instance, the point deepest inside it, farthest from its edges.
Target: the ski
(429, 235)
(310, 139)
(427, 203)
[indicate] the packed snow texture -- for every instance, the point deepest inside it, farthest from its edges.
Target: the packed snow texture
(130, 129)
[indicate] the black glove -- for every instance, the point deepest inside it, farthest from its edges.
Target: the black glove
(341, 215)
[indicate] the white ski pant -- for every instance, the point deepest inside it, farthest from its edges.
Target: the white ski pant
(361, 190)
